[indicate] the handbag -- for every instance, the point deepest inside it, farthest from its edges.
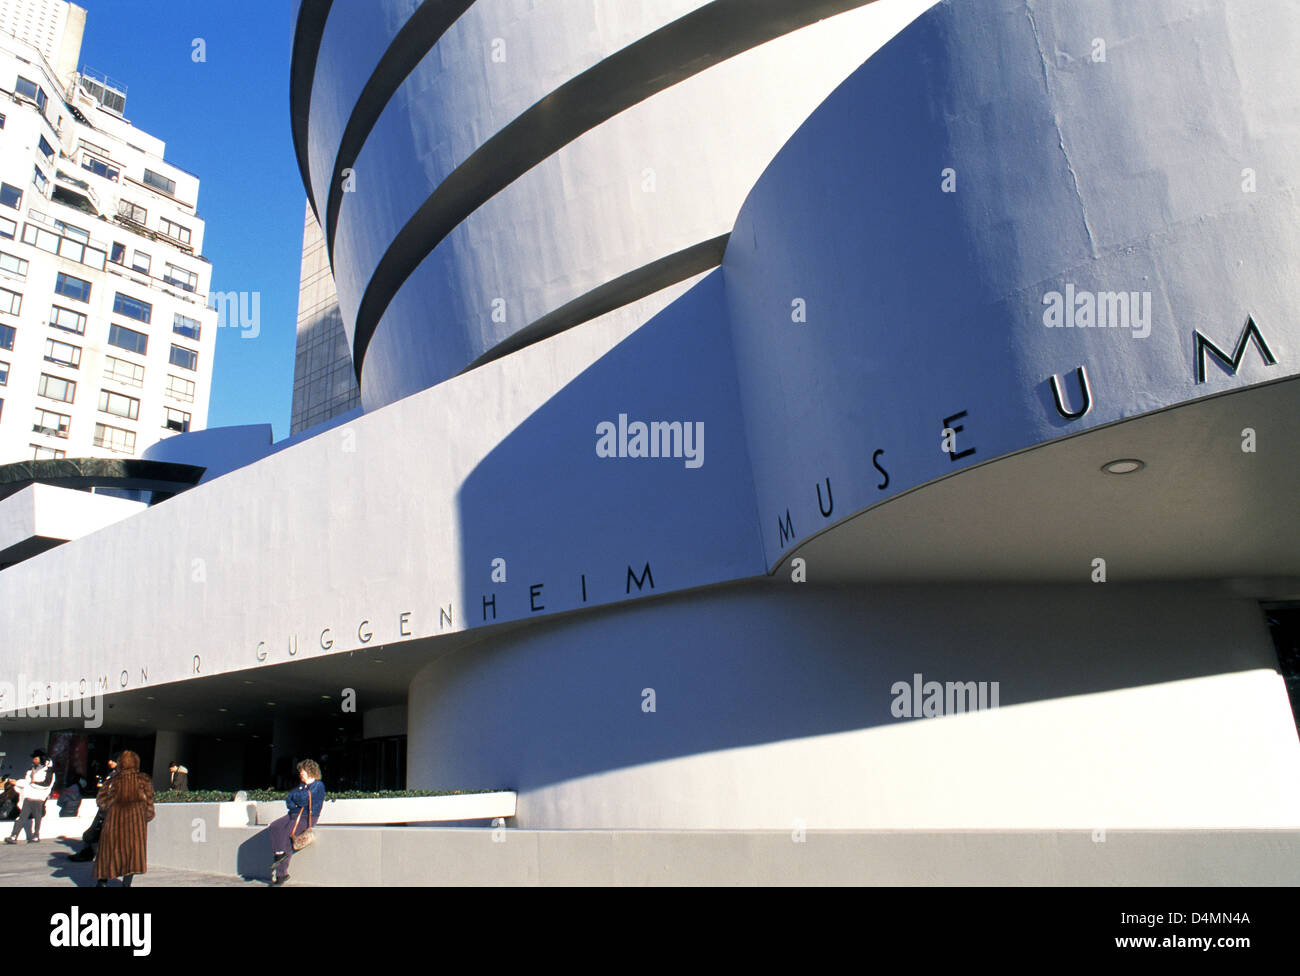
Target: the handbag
(308, 836)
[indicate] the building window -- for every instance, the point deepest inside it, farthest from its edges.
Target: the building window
(115, 439)
(132, 308)
(42, 453)
(180, 389)
(119, 405)
(67, 320)
(46, 240)
(11, 196)
(51, 424)
(7, 334)
(99, 168)
(8, 228)
(177, 420)
(62, 353)
(141, 261)
(160, 182)
(77, 289)
(119, 253)
(40, 179)
(10, 301)
(137, 215)
(57, 388)
(94, 258)
(128, 339)
(4, 373)
(13, 264)
(175, 231)
(181, 278)
(184, 358)
(46, 149)
(30, 89)
(72, 230)
(124, 372)
(2, 121)
(187, 327)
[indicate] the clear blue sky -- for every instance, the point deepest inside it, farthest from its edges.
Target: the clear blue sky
(227, 121)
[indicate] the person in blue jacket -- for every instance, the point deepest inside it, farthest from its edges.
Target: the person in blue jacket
(305, 803)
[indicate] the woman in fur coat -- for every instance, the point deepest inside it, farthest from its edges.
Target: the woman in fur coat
(127, 800)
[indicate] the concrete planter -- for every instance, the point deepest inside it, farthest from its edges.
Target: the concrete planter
(413, 809)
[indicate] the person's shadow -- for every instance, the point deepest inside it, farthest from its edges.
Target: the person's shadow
(253, 861)
(80, 873)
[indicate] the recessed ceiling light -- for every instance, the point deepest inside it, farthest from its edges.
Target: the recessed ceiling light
(223, 709)
(270, 703)
(1123, 466)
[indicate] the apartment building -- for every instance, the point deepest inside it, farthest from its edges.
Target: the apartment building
(106, 337)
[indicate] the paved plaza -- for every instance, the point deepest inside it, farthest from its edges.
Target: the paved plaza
(46, 865)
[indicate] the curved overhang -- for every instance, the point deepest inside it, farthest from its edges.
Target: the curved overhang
(619, 293)
(83, 474)
(1199, 509)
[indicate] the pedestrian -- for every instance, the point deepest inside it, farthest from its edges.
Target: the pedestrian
(127, 802)
(34, 789)
(91, 837)
(10, 801)
(305, 803)
(180, 777)
(70, 800)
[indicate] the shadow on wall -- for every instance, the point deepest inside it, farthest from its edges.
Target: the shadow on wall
(763, 661)
(768, 661)
(253, 860)
(548, 524)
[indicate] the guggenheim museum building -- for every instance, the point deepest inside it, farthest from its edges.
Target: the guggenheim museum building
(854, 415)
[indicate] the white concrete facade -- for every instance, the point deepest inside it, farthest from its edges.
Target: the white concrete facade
(904, 478)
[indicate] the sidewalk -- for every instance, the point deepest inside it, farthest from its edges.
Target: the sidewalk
(46, 865)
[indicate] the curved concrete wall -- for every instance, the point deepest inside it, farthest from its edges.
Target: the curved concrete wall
(658, 178)
(1118, 705)
(602, 202)
(923, 214)
(774, 707)
(356, 36)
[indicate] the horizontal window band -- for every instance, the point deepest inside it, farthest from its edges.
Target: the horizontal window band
(658, 61)
(622, 291)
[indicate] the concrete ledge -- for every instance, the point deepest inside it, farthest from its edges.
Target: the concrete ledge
(402, 810)
(188, 836)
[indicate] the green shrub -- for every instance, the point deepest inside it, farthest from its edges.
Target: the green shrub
(262, 796)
